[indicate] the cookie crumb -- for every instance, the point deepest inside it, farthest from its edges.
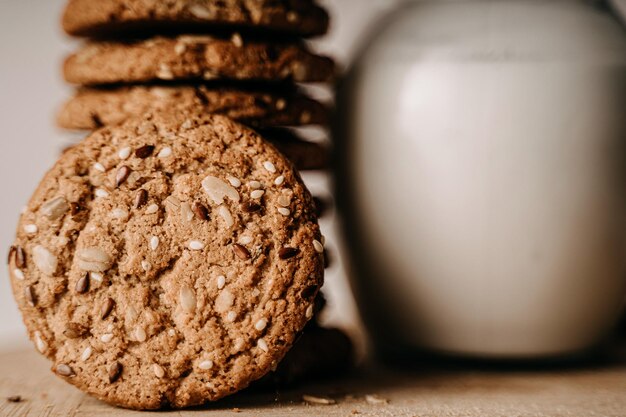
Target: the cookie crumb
(374, 399)
(14, 399)
(312, 399)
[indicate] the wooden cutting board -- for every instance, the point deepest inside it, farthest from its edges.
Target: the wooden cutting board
(583, 390)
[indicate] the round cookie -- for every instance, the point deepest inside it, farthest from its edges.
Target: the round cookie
(91, 108)
(168, 261)
(110, 17)
(195, 57)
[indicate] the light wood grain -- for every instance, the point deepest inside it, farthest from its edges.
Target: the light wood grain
(579, 390)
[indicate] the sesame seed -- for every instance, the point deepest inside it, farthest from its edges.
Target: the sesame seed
(225, 214)
(231, 316)
(187, 299)
(146, 266)
(107, 337)
(64, 370)
(99, 167)
(257, 194)
(158, 370)
(246, 240)
(234, 181)
(152, 209)
(165, 152)
(86, 354)
(96, 276)
(42, 346)
(256, 292)
(323, 240)
(140, 334)
(154, 242)
(102, 193)
(31, 229)
(269, 167)
(171, 332)
(262, 344)
(279, 180)
(206, 365)
(221, 282)
(124, 153)
(284, 211)
(18, 274)
(196, 245)
(261, 324)
(309, 312)
(319, 248)
(254, 184)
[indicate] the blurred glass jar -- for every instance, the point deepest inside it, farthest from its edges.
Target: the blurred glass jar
(481, 177)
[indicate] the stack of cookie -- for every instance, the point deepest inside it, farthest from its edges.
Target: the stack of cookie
(239, 58)
(152, 73)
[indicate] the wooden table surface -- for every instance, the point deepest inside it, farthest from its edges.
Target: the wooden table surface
(590, 389)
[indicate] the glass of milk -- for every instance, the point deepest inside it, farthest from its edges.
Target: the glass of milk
(481, 150)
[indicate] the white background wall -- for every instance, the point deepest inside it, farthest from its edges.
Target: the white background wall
(32, 47)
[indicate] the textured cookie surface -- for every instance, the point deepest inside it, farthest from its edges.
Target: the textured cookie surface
(195, 57)
(91, 108)
(97, 17)
(167, 262)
